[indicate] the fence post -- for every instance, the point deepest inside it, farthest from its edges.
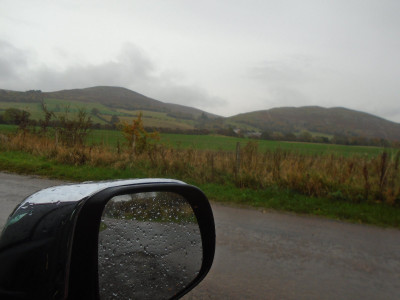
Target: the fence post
(212, 166)
(56, 139)
(237, 167)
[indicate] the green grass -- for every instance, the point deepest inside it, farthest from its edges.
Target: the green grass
(268, 198)
(156, 119)
(24, 163)
(108, 137)
(58, 107)
(215, 142)
(33, 108)
(74, 106)
(226, 143)
(286, 200)
(4, 128)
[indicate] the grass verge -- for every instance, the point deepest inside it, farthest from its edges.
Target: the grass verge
(267, 198)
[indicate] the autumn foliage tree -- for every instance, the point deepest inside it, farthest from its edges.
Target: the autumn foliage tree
(139, 140)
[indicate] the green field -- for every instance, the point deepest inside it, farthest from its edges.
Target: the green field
(7, 128)
(215, 142)
(33, 108)
(225, 143)
(150, 118)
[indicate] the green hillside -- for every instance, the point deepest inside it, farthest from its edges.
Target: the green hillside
(122, 98)
(102, 103)
(105, 103)
(319, 120)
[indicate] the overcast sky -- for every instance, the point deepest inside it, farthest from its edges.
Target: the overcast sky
(225, 56)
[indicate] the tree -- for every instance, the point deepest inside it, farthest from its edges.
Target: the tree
(23, 120)
(17, 117)
(266, 135)
(289, 136)
(340, 139)
(203, 117)
(305, 136)
(114, 120)
(73, 132)
(137, 137)
(47, 118)
(278, 136)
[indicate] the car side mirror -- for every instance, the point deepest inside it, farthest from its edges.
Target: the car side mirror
(149, 246)
(139, 239)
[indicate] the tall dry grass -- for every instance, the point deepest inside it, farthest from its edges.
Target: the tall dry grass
(356, 178)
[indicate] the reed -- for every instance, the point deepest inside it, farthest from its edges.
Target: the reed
(353, 178)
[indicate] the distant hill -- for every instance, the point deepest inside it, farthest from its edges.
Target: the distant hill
(105, 102)
(337, 120)
(118, 97)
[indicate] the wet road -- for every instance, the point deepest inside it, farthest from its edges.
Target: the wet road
(279, 256)
(14, 189)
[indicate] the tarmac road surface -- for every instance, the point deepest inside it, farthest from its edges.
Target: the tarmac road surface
(276, 255)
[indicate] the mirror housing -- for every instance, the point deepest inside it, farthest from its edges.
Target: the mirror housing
(49, 246)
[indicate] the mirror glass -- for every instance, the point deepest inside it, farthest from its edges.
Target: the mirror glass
(149, 246)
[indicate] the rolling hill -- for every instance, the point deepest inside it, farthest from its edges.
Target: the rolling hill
(118, 97)
(107, 102)
(125, 104)
(330, 121)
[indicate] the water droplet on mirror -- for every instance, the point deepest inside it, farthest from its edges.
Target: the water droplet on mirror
(147, 245)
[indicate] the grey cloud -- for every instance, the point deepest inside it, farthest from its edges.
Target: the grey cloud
(283, 81)
(304, 81)
(12, 62)
(189, 96)
(275, 72)
(295, 69)
(391, 113)
(131, 69)
(287, 96)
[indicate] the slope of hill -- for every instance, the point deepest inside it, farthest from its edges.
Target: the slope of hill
(105, 102)
(113, 97)
(110, 96)
(316, 119)
(122, 98)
